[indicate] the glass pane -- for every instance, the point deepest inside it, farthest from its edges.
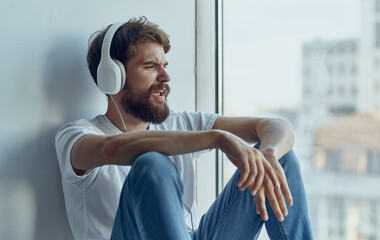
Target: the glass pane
(317, 64)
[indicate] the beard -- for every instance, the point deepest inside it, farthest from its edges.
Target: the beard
(140, 105)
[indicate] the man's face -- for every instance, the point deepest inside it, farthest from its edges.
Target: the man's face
(146, 89)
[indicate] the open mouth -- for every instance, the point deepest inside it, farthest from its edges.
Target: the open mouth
(159, 92)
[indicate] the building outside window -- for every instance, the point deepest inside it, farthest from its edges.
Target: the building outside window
(373, 162)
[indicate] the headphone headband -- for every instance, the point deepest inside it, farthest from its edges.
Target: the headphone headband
(106, 46)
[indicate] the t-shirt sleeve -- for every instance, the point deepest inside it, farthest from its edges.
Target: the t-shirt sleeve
(65, 139)
(198, 121)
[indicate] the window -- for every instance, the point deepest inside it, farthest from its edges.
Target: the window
(273, 59)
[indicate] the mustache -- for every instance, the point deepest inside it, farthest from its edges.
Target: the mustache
(160, 86)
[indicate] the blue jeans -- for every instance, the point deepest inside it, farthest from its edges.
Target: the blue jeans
(151, 206)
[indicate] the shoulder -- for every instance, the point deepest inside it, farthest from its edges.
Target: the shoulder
(188, 115)
(187, 120)
(79, 125)
(72, 131)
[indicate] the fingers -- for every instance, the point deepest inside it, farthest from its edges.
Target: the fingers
(286, 191)
(273, 200)
(254, 168)
(244, 172)
(259, 178)
(276, 174)
(284, 184)
(260, 204)
(271, 174)
(281, 201)
(253, 175)
(265, 179)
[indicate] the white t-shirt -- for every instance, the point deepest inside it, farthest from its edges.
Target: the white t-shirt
(92, 199)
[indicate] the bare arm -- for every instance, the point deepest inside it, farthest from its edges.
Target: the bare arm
(276, 135)
(92, 151)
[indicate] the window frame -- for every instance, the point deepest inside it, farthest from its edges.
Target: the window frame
(209, 76)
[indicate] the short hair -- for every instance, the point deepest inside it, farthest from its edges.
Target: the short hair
(124, 42)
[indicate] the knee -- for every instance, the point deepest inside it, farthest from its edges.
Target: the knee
(152, 161)
(152, 166)
(290, 161)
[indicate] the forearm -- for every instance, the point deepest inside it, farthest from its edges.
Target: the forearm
(167, 142)
(276, 136)
(94, 151)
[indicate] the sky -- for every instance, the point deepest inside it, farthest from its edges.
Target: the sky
(263, 45)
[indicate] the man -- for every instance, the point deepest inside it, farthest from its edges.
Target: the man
(129, 174)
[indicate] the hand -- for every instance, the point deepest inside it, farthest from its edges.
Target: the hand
(275, 195)
(251, 162)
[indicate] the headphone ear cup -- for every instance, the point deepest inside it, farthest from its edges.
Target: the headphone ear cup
(109, 77)
(123, 75)
(111, 72)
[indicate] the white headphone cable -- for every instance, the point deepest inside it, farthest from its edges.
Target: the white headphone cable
(191, 216)
(122, 120)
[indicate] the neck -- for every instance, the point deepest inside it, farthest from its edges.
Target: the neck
(132, 124)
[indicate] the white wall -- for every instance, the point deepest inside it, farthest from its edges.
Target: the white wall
(45, 83)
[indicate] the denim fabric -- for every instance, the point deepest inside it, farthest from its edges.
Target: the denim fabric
(233, 214)
(151, 206)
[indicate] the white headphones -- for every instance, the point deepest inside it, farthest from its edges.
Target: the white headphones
(111, 72)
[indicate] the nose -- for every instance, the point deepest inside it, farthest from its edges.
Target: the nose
(163, 75)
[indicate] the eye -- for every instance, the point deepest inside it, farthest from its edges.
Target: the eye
(149, 66)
